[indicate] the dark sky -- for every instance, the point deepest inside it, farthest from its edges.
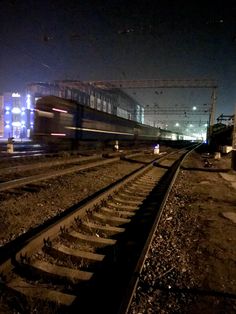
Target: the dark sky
(100, 40)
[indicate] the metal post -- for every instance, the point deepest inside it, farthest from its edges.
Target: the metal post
(211, 115)
(233, 160)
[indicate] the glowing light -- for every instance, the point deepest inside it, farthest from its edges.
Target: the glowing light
(44, 113)
(59, 110)
(194, 108)
(190, 125)
(205, 124)
(7, 108)
(58, 134)
(15, 95)
(16, 110)
(28, 102)
(177, 124)
(7, 112)
(99, 131)
(16, 124)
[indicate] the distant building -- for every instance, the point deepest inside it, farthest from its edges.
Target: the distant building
(16, 115)
(112, 101)
(17, 109)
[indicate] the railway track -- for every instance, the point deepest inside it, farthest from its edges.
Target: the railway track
(18, 176)
(84, 261)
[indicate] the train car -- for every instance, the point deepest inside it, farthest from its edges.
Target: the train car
(58, 120)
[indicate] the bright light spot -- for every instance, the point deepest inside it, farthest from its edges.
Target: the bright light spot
(205, 124)
(58, 134)
(16, 124)
(194, 108)
(16, 110)
(28, 102)
(190, 125)
(15, 95)
(177, 124)
(59, 110)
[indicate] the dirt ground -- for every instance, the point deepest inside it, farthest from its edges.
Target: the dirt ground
(191, 265)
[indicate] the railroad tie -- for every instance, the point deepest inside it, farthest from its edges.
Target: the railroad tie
(116, 221)
(125, 195)
(99, 241)
(41, 292)
(119, 199)
(116, 212)
(60, 272)
(76, 254)
(125, 207)
(97, 227)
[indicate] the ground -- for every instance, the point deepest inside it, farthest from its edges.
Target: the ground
(191, 265)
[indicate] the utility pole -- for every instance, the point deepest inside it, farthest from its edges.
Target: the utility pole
(211, 115)
(213, 107)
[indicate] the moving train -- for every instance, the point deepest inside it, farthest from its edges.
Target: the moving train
(67, 123)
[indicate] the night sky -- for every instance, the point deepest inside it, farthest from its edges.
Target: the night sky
(109, 40)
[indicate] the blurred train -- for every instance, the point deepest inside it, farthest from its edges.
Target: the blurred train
(65, 123)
